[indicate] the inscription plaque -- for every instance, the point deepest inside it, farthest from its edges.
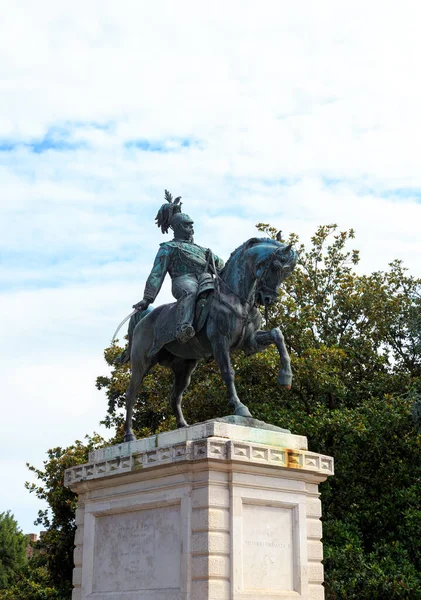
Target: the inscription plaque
(268, 552)
(138, 551)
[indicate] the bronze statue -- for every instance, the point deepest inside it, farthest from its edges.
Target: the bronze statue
(185, 262)
(216, 311)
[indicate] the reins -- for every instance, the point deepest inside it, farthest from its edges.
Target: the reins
(218, 279)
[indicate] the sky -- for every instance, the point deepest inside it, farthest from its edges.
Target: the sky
(295, 114)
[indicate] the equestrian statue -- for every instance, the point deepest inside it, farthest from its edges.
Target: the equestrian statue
(216, 310)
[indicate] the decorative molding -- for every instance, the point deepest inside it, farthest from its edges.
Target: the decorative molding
(211, 448)
(229, 428)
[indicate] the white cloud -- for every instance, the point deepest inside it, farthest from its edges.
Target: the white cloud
(298, 114)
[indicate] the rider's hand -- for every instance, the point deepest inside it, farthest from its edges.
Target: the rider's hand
(142, 305)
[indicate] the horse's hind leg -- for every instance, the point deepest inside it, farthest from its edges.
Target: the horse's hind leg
(182, 369)
(137, 376)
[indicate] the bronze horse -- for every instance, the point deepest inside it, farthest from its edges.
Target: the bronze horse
(251, 276)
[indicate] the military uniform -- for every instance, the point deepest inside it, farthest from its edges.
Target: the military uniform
(185, 261)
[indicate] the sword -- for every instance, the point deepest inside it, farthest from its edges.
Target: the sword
(122, 323)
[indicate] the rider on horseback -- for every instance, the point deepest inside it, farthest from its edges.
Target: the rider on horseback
(185, 262)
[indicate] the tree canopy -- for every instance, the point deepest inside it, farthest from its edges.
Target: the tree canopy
(355, 343)
(12, 549)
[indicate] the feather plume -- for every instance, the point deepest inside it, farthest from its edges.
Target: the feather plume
(166, 212)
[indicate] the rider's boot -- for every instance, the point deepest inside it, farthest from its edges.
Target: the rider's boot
(185, 313)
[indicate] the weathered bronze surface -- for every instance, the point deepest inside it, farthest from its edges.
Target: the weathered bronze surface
(184, 261)
(216, 310)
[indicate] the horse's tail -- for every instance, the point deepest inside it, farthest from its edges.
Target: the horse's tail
(124, 357)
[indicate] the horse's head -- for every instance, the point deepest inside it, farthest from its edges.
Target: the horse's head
(256, 269)
(276, 261)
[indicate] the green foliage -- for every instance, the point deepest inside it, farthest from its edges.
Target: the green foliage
(355, 344)
(34, 583)
(12, 549)
(20, 578)
(371, 530)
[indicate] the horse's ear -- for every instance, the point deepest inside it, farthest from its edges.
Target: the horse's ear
(279, 236)
(287, 248)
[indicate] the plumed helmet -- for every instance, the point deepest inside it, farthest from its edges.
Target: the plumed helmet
(168, 211)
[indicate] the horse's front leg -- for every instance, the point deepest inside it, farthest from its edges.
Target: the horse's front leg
(264, 339)
(222, 357)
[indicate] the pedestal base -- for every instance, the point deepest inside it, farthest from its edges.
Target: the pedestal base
(215, 511)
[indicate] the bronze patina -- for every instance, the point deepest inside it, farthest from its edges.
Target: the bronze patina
(183, 260)
(216, 310)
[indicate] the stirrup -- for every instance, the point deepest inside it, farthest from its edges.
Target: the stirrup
(184, 333)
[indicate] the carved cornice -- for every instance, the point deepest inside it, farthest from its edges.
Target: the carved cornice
(212, 448)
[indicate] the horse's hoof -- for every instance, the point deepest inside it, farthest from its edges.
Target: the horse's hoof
(129, 437)
(285, 381)
(242, 411)
(182, 424)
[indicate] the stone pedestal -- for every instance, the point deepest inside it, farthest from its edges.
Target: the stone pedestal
(216, 511)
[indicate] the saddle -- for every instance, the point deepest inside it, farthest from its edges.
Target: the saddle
(165, 326)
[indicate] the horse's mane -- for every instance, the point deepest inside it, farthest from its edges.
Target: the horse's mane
(246, 245)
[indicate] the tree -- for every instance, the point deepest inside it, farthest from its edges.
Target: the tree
(354, 341)
(34, 583)
(12, 549)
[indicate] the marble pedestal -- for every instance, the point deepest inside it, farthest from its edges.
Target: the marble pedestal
(216, 511)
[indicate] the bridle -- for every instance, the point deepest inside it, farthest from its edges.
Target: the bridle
(271, 259)
(263, 277)
(242, 300)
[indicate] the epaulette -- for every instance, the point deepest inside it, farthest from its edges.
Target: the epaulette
(169, 244)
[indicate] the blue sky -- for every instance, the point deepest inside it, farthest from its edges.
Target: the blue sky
(296, 115)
